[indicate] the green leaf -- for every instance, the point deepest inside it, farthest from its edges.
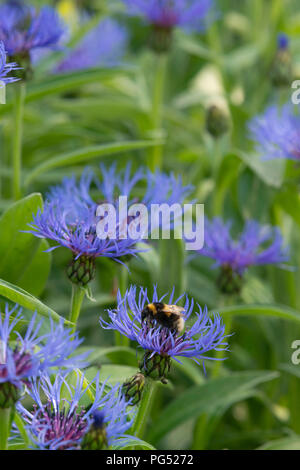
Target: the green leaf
(136, 443)
(36, 275)
(288, 443)
(115, 373)
(22, 430)
(292, 369)
(207, 398)
(115, 354)
(17, 249)
(271, 173)
(227, 173)
(261, 309)
(55, 84)
(26, 300)
(288, 199)
(86, 154)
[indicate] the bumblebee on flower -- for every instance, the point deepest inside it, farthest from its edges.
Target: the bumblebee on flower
(161, 343)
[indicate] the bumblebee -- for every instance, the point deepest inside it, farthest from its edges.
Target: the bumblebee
(169, 316)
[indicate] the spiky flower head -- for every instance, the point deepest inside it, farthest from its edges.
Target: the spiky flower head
(25, 357)
(277, 133)
(24, 28)
(6, 67)
(187, 14)
(165, 15)
(160, 343)
(103, 46)
(69, 215)
(256, 245)
(65, 422)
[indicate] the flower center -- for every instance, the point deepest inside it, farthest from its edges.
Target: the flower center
(61, 426)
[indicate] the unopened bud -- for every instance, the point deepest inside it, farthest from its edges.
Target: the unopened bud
(161, 39)
(9, 395)
(229, 281)
(155, 366)
(133, 388)
(217, 121)
(282, 70)
(81, 270)
(96, 438)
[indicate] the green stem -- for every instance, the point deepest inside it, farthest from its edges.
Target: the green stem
(78, 294)
(121, 340)
(17, 142)
(5, 422)
(157, 106)
(139, 425)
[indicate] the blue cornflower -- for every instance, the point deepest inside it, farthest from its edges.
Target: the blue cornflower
(24, 28)
(160, 187)
(277, 133)
(257, 245)
(28, 356)
(167, 14)
(6, 67)
(69, 218)
(159, 342)
(69, 215)
(63, 422)
(102, 46)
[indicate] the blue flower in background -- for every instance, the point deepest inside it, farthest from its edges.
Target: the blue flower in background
(6, 67)
(277, 133)
(24, 28)
(188, 14)
(69, 218)
(205, 335)
(34, 353)
(64, 422)
(69, 215)
(256, 245)
(103, 46)
(160, 187)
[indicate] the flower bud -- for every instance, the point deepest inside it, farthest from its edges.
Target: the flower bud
(229, 281)
(155, 366)
(9, 395)
(217, 121)
(95, 438)
(281, 71)
(133, 388)
(161, 39)
(81, 270)
(25, 72)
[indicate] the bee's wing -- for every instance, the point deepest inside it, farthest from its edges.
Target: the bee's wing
(174, 309)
